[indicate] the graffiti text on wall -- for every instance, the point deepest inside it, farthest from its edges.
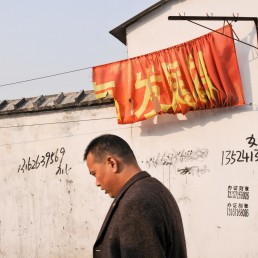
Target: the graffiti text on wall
(46, 160)
(238, 192)
(237, 208)
(178, 157)
(194, 170)
(174, 157)
(230, 157)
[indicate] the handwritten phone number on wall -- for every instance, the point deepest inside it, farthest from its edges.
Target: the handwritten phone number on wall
(230, 157)
(44, 161)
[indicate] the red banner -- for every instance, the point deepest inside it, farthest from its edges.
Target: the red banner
(200, 74)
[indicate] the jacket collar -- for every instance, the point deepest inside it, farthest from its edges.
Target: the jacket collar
(129, 183)
(114, 204)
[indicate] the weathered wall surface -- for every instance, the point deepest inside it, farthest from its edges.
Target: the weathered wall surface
(50, 206)
(210, 165)
(208, 159)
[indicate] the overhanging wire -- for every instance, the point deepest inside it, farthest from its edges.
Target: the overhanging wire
(196, 23)
(86, 68)
(44, 77)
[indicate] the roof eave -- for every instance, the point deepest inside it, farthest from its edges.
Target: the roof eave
(120, 31)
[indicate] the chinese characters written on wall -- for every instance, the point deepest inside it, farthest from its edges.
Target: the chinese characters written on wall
(238, 195)
(229, 157)
(179, 157)
(238, 205)
(44, 161)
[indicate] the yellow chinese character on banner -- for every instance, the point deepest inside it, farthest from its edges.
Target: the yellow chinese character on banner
(200, 91)
(151, 93)
(177, 85)
(206, 81)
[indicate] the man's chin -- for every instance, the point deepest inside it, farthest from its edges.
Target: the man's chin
(110, 195)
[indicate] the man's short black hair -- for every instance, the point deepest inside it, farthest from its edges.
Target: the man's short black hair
(109, 144)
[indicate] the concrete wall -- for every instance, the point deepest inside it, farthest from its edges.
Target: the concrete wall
(213, 154)
(50, 206)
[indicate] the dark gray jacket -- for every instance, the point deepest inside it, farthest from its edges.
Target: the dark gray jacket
(143, 222)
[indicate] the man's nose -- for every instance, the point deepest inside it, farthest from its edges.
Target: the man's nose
(97, 183)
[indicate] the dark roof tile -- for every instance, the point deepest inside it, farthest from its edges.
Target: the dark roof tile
(52, 102)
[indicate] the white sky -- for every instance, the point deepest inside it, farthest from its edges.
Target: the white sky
(44, 37)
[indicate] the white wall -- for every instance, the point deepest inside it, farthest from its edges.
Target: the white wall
(202, 194)
(44, 214)
(49, 215)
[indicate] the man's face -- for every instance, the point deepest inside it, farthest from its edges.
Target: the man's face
(104, 174)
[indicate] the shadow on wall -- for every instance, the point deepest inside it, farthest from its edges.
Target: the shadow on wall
(246, 55)
(176, 123)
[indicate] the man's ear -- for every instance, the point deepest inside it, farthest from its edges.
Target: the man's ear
(113, 163)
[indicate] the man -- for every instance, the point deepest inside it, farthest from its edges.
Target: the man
(144, 220)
